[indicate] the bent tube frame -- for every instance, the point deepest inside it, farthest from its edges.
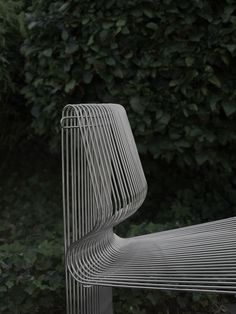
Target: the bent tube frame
(104, 184)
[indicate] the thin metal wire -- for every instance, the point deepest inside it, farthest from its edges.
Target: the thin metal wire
(103, 184)
(80, 215)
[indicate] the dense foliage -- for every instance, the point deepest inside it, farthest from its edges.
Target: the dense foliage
(11, 73)
(172, 64)
(10, 36)
(31, 250)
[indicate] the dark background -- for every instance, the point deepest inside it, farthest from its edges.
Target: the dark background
(172, 65)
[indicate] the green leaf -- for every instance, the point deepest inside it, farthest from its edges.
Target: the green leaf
(118, 72)
(189, 61)
(228, 12)
(32, 25)
(64, 35)
(149, 13)
(196, 296)
(35, 111)
(91, 40)
(183, 143)
(85, 20)
(30, 257)
(229, 107)
(3, 289)
(231, 48)
(215, 81)
(201, 158)
(70, 85)
(10, 284)
(110, 61)
(125, 30)
(173, 83)
(136, 104)
(71, 48)
(107, 25)
(213, 100)
(194, 131)
(225, 59)
(103, 35)
(210, 136)
(47, 248)
(193, 107)
(142, 148)
(64, 6)
(121, 22)
(155, 150)
(129, 55)
(47, 52)
(159, 113)
(30, 290)
(87, 77)
(152, 26)
(165, 118)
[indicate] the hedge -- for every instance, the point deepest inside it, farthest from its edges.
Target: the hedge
(31, 234)
(13, 115)
(172, 65)
(31, 252)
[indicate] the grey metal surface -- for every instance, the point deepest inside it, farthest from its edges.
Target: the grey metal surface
(79, 221)
(104, 184)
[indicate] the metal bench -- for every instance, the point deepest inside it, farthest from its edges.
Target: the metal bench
(103, 184)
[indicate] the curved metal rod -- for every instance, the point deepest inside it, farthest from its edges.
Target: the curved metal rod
(104, 184)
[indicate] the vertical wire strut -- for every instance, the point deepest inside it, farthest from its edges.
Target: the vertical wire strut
(80, 212)
(103, 184)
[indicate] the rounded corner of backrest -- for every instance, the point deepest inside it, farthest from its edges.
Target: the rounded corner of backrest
(118, 181)
(70, 111)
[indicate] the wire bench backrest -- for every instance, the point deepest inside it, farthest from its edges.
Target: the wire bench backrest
(104, 179)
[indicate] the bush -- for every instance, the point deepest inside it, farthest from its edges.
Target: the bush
(171, 64)
(31, 237)
(13, 119)
(32, 277)
(31, 255)
(10, 36)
